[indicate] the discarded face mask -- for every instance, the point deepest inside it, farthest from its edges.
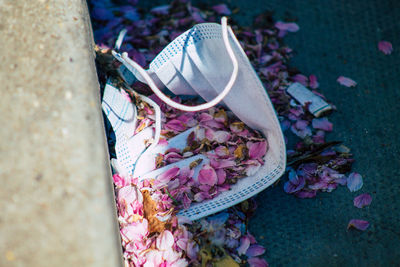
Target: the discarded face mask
(206, 60)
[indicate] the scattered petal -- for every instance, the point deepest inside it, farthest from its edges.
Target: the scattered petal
(165, 240)
(385, 47)
(313, 83)
(244, 245)
(362, 200)
(175, 125)
(207, 175)
(257, 150)
(322, 124)
(255, 250)
(300, 78)
(290, 26)
(168, 175)
(346, 81)
(257, 262)
(222, 9)
(354, 182)
(221, 136)
(358, 224)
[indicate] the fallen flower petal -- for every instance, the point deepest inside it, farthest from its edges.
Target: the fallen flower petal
(290, 26)
(207, 175)
(305, 194)
(358, 224)
(354, 182)
(257, 262)
(385, 47)
(257, 150)
(165, 240)
(362, 200)
(221, 136)
(135, 231)
(255, 250)
(346, 81)
(168, 175)
(175, 125)
(313, 83)
(322, 124)
(244, 245)
(222, 9)
(300, 78)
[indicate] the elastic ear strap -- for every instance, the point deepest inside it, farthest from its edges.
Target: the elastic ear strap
(132, 65)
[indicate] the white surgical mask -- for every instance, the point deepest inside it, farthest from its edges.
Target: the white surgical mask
(208, 60)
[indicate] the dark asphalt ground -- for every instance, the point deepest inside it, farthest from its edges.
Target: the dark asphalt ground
(340, 38)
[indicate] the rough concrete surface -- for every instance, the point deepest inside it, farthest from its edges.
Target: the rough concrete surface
(56, 197)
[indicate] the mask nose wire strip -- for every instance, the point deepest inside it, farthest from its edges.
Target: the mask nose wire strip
(134, 66)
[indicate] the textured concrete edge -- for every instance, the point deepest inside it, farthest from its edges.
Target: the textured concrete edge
(91, 44)
(57, 197)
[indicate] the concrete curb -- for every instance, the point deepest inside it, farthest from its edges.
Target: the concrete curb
(56, 198)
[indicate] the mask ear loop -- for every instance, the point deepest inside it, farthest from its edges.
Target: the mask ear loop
(132, 66)
(157, 109)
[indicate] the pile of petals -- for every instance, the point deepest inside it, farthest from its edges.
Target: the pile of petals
(152, 234)
(315, 165)
(233, 150)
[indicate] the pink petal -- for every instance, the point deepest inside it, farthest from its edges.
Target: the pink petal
(209, 134)
(135, 231)
(346, 81)
(186, 201)
(305, 194)
(354, 182)
(119, 181)
(385, 47)
(165, 240)
(313, 81)
(175, 125)
(172, 157)
(199, 197)
(222, 151)
(257, 262)
(301, 124)
(300, 78)
(257, 150)
(129, 194)
(358, 224)
(223, 163)
(290, 27)
(168, 175)
(205, 117)
(244, 245)
(221, 174)
(362, 200)
(222, 9)
(207, 175)
(221, 136)
(322, 124)
(255, 250)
